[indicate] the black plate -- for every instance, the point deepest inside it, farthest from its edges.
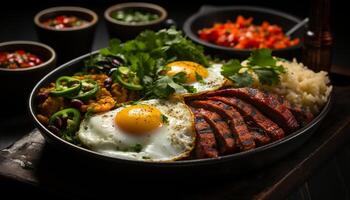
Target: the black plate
(209, 15)
(235, 163)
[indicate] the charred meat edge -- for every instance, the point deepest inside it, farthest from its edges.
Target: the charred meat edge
(250, 112)
(260, 137)
(238, 127)
(206, 143)
(302, 115)
(223, 135)
(266, 103)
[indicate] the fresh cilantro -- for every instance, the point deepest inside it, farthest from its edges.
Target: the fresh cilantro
(261, 57)
(232, 67)
(190, 88)
(199, 78)
(114, 47)
(243, 79)
(160, 88)
(147, 56)
(180, 77)
(261, 63)
(267, 76)
(231, 71)
(136, 148)
(164, 119)
(174, 85)
(164, 86)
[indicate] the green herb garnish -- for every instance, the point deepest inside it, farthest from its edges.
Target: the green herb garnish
(146, 57)
(164, 119)
(136, 148)
(199, 78)
(260, 63)
(133, 16)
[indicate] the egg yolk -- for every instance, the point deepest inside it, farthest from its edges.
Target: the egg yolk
(139, 119)
(192, 70)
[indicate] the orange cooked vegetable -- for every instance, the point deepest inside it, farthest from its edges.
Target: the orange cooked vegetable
(243, 34)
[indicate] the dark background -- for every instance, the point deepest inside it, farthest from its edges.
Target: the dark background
(16, 23)
(16, 18)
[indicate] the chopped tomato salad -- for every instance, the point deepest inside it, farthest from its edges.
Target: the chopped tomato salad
(18, 59)
(243, 34)
(63, 21)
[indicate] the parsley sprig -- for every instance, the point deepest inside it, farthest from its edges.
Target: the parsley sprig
(260, 63)
(147, 55)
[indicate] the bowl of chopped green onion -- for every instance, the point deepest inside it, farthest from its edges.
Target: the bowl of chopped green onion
(126, 20)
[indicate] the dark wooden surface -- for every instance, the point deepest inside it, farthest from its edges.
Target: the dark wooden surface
(32, 161)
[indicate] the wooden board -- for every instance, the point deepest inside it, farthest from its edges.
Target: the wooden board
(31, 160)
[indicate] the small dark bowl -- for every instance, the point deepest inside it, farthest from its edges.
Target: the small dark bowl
(68, 42)
(125, 31)
(209, 15)
(201, 168)
(17, 83)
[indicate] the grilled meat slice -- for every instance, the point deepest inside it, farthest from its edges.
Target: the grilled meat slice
(302, 115)
(238, 127)
(206, 143)
(250, 112)
(260, 136)
(265, 102)
(223, 135)
(260, 139)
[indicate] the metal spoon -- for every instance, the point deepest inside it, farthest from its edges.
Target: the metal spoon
(297, 26)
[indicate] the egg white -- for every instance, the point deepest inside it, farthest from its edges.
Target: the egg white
(173, 141)
(213, 81)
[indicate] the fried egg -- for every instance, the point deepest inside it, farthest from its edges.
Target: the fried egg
(201, 78)
(152, 130)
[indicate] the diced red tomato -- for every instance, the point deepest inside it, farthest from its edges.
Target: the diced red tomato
(63, 21)
(18, 59)
(243, 34)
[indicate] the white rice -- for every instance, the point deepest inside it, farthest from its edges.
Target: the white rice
(302, 86)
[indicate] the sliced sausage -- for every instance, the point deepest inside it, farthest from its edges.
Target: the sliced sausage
(206, 143)
(237, 125)
(250, 112)
(260, 136)
(266, 103)
(223, 135)
(302, 115)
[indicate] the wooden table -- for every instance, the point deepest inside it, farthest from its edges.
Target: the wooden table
(31, 160)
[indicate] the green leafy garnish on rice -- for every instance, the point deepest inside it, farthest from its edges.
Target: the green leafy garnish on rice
(261, 63)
